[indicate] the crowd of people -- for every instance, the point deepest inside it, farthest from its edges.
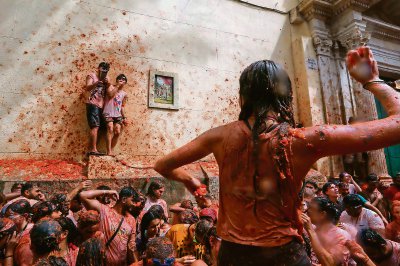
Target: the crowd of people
(104, 227)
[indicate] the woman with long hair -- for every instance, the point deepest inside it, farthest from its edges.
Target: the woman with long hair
(263, 160)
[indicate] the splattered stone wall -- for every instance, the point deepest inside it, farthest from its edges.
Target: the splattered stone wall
(49, 46)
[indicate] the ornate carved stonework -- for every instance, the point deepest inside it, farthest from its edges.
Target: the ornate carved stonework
(356, 5)
(354, 39)
(382, 30)
(320, 9)
(323, 46)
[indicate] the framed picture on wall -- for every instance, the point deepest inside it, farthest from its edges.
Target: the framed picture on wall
(163, 90)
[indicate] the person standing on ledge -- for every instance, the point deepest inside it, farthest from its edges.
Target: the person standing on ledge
(263, 160)
(97, 84)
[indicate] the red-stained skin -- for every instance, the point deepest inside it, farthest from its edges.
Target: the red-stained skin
(308, 144)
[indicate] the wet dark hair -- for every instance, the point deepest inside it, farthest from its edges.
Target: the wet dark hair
(68, 225)
(158, 209)
(372, 177)
(147, 218)
(15, 186)
(326, 186)
(371, 238)
(42, 209)
(342, 175)
(51, 261)
(258, 90)
(58, 200)
(159, 248)
(312, 183)
(45, 236)
(352, 200)
(92, 252)
(103, 187)
(26, 187)
(343, 185)
(187, 204)
(154, 185)
(104, 65)
(127, 192)
(204, 230)
(21, 206)
(325, 205)
(122, 76)
(188, 217)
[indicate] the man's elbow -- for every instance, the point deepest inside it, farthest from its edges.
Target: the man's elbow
(160, 168)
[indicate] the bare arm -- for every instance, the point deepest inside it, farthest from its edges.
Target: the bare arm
(321, 141)
(324, 257)
(373, 208)
(13, 195)
(169, 166)
(176, 208)
(356, 186)
(90, 84)
(81, 186)
(111, 91)
(89, 198)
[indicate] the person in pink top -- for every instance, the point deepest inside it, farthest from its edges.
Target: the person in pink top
(116, 223)
(96, 83)
(113, 112)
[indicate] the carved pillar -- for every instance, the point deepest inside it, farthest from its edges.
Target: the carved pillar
(352, 37)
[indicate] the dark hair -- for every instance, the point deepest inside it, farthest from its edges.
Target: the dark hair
(159, 210)
(352, 200)
(160, 248)
(42, 209)
(187, 204)
(372, 177)
(154, 185)
(127, 192)
(311, 183)
(15, 186)
(51, 261)
(343, 185)
(188, 217)
(325, 205)
(258, 89)
(326, 186)
(103, 187)
(68, 225)
(59, 200)
(204, 230)
(21, 206)
(122, 76)
(147, 218)
(26, 187)
(45, 236)
(342, 175)
(104, 65)
(92, 252)
(371, 238)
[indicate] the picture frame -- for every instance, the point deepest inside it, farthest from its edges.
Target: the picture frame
(163, 90)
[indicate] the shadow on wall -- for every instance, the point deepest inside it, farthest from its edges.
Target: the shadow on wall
(50, 47)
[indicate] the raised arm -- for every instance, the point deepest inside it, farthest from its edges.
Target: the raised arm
(321, 141)
(89, 198)
(169, 166)
(111, 91)
(82, 185)
(90, 84)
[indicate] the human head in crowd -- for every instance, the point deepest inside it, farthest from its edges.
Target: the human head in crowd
(20, 213)
(345, 177)
(16, 187)
(121, 78)
(156, 190)
(103, 68)
(129, 199)
(330, 190)
(372, 181)
(319, 193)
(311, 185)
(204, 201)
(376, 247)
(7, 229)
(308, 193)
(187, 204)
(353, 205)
(208, 214)
(88, 224)
(45, 237)
(396, 180)
(188, 217)
(104, 199)
(51, 261)
(344, 189)
(76, 204)
(62, 203)
(30, 191)
(92, 252)
(323, 211)
(160, 251)
(44, 209)
(149, 228)
(206, 234)
(396, 210)
(69, 230)
(159, 211)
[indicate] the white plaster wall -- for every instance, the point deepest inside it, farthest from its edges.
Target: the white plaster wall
(49, 46)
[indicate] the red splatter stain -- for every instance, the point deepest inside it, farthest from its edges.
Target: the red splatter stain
(83, 35)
